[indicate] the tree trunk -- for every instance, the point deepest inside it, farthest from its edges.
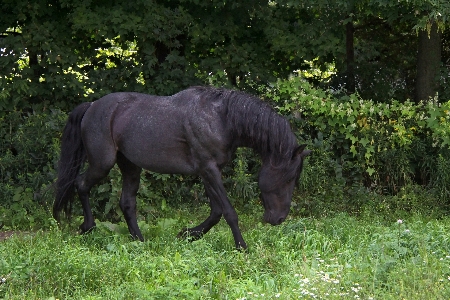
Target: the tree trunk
(428, 63)
(350, 54)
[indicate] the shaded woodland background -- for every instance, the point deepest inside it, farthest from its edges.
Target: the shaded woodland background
(305, 57)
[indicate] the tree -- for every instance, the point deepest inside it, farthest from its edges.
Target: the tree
(64, 51)
(428, 62)
(433, 18)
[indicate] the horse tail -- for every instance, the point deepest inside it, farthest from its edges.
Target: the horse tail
(73, 155)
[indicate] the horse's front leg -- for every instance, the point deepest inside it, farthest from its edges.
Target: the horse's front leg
(197, 232)
(220, 205)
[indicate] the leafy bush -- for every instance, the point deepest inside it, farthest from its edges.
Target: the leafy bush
(29, 145)
(383, 147)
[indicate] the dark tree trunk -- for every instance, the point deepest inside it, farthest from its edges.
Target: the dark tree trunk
(428, 63)
(33, 62)
(232, 78)
(350, 54)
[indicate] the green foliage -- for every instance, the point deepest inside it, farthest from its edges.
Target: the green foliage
(241, 181)
(28, 153)
(157, 192)
(87, 49)
(381, 146)
(360, 149)
(441, 177)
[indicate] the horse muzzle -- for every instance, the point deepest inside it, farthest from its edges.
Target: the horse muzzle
(274, 219)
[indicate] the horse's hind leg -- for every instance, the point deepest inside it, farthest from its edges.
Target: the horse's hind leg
(84, 184)
(130, 184)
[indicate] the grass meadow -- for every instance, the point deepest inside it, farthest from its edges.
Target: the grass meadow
(334, 257)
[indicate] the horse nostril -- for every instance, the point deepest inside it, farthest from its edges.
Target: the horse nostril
(280, 220)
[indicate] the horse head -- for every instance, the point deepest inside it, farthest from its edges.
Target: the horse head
(277, 185)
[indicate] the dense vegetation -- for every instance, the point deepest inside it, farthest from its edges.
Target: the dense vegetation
(384, 155)
(364, 83)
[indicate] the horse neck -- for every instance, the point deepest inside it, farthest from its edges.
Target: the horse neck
(264, 131)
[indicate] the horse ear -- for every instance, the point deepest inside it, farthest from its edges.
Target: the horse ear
(301, 151)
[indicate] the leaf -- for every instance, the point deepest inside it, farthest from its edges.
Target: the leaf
(351, 137)
(18, 194)
(167, 223)
(116, 228)
(112, 227)
(111, 247)
(177, 257)
(353, 150)
(364, 141)
(332, 121)
(370, 171)
(103, 188)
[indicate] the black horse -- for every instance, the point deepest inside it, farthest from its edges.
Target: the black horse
(193, 132)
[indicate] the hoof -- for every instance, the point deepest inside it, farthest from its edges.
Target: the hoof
(136, 237)
(242, 247)
(85, 229)
(189, 234)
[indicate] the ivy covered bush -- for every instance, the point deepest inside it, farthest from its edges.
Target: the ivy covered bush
(383, 148)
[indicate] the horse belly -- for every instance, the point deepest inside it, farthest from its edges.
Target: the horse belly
(166, 137)
(159, 152)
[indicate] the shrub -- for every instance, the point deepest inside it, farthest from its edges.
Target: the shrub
(29, 144)
(381, 146)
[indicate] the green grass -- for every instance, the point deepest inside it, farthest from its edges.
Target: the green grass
(339, 257)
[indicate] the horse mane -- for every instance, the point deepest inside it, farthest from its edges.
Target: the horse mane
(255, 123)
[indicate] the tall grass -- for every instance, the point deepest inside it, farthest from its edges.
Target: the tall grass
(339, 257)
